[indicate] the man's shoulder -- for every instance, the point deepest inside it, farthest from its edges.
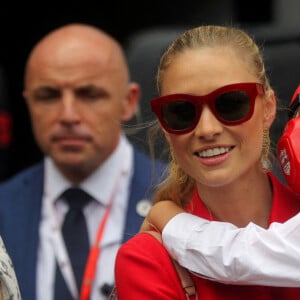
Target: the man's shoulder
(31, 173)
(148, 167)
(140, 156)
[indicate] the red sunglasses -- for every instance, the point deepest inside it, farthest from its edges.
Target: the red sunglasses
(231, 104)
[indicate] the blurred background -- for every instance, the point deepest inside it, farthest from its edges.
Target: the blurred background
(273, 22)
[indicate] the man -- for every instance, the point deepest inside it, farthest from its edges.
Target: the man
(78, 94)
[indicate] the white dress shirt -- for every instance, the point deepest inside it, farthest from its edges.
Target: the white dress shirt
(228, 254)
(108, 183)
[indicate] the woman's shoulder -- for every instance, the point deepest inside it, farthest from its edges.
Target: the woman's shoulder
(149, 259)
(144, 244)
(146, 253)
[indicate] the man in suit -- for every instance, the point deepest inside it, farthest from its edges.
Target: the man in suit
(78, 93)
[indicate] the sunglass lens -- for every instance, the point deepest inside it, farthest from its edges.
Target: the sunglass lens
(179, 115)
(233, 106)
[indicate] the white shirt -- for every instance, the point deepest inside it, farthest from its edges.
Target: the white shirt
(109, 182)
(250, 255)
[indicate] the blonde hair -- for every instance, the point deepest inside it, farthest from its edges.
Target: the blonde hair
(178, 186)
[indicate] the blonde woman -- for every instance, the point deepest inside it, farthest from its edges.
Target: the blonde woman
(215, 108)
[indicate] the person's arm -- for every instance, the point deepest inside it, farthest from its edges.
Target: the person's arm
(223, 252)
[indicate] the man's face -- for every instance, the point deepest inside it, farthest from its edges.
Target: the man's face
(76, 108)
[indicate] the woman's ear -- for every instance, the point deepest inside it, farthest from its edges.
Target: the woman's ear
(269, 108)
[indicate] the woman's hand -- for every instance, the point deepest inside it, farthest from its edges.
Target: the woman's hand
(160, 214)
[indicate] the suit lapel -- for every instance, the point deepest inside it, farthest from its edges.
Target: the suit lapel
(140, 190)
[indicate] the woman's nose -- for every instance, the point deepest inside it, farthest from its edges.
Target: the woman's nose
(208, 125)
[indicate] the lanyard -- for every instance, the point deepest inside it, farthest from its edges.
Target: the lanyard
(90, 269)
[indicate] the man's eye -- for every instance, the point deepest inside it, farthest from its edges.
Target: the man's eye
(91, 94)
(46, 95)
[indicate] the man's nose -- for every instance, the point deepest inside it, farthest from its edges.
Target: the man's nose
(69, 108)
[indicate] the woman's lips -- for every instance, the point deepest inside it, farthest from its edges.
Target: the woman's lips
(214, 156)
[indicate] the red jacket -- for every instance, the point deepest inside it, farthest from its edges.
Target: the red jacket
(144, 270)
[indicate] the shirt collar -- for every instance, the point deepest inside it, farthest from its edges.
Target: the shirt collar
(102, 183)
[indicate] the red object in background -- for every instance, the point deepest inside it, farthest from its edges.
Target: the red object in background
(5, 129)
(295, 103)
(288, 153)
(288, 147)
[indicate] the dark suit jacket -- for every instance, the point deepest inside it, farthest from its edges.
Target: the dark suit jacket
(20, 213)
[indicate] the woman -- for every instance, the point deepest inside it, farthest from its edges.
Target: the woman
(229, 254)
(215, 108)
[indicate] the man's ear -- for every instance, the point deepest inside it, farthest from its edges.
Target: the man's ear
(131, 103)
(25, 94)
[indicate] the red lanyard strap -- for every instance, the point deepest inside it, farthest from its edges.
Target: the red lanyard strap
(90, 269)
